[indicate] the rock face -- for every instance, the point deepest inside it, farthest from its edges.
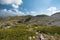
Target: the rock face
(56, 20)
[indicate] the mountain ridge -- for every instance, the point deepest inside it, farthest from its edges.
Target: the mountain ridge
(44, 20)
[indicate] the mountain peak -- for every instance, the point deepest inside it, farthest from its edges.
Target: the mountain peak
(57, 13)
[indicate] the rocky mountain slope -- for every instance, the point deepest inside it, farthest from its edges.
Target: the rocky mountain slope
(40, 27)
(44, 20)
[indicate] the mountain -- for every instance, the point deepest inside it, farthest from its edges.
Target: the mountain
(56, 20)
(56, 14)
(44, 20)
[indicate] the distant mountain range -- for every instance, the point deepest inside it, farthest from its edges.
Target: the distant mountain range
(53, 20)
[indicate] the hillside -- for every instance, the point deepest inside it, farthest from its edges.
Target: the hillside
(30, 27)
(44, 20)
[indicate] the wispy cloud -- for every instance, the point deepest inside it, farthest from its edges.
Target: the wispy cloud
(29, 10)
(11, 12)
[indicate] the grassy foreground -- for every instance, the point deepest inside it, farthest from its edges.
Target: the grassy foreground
(26, 32)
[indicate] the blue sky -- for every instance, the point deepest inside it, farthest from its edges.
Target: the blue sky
(30, 7)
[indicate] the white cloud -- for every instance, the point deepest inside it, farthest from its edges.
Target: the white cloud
(14, 3)
(32, 12)
(53, 9)
(15, 6)
(11, 12)
(50, 11)
(5, 1)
